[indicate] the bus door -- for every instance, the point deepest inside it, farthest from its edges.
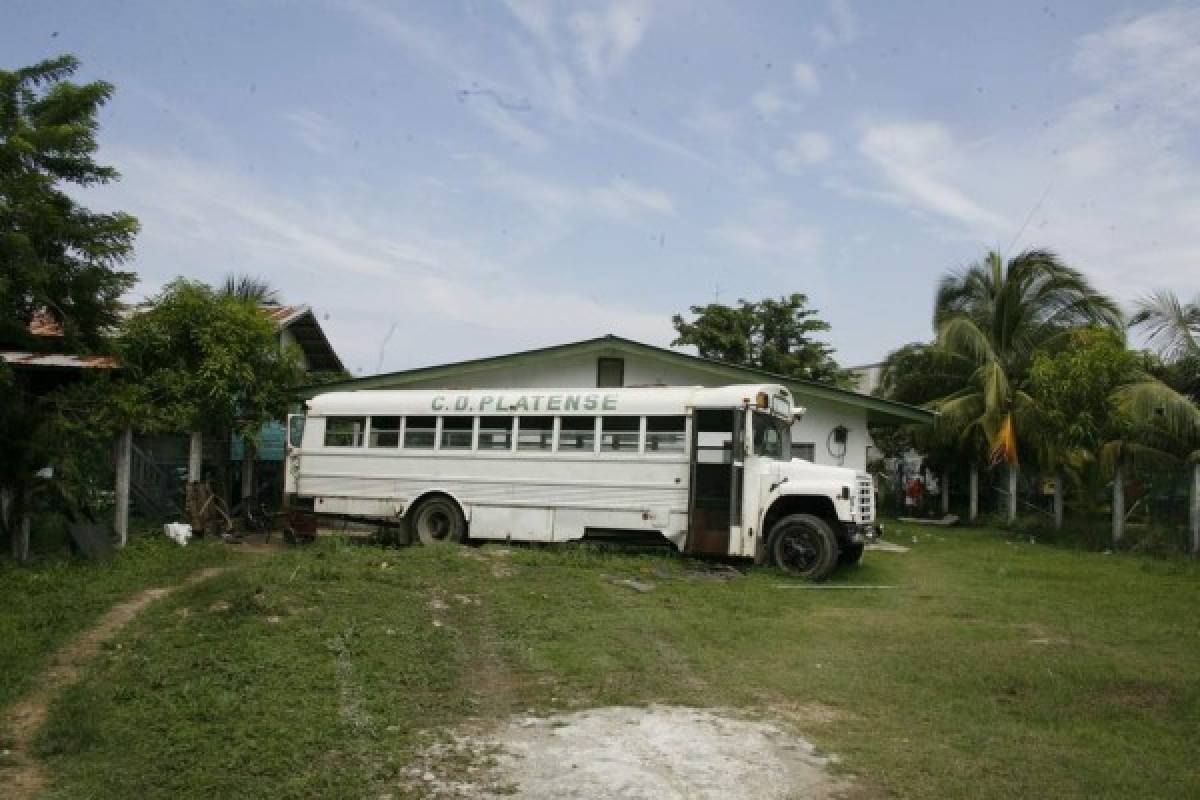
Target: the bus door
(715, 493)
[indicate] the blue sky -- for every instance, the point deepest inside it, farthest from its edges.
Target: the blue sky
(446, 180)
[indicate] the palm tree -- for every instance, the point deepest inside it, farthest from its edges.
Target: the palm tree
(250, 288)
(1173, 330)
(994, 315)
(1172, 327)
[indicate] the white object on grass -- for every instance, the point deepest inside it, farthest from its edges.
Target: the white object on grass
(179, 532)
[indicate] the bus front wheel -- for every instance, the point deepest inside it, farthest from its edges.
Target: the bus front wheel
(439, 519)
(804, 545)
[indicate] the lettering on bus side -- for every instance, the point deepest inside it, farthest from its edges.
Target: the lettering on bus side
(563, 401)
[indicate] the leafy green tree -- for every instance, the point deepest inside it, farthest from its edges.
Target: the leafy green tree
(1172, 326)
(994, 316)
(195, 359)
(250, 289)
(56, 257)
(776, 335)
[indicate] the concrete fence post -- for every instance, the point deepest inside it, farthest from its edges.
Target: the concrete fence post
(121, 512)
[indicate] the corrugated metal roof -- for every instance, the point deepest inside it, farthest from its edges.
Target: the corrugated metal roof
(51, 360)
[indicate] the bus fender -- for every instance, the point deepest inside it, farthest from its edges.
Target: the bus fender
(438, 490)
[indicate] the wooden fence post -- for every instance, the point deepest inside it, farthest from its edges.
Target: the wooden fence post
(1058, 502)
(1196, 509)
(1012, 493)
(121, 512)
(974, 509)
(1118, 507)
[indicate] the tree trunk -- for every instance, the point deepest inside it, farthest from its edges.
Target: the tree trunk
(121, 512)
(1012, 493)
(1058, 502)
(1118, 507)
(974, 509)
(1196, 509)
(945, 492)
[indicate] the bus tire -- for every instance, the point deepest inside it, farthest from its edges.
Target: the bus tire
(850, 555)
(803, 545)
(439, 519)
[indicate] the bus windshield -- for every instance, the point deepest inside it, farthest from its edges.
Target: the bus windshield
(772, 437)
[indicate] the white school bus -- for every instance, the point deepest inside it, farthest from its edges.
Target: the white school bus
(706, 469)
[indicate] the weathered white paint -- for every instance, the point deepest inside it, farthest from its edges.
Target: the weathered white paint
(124, 457)
(555, 494)
(579, 370)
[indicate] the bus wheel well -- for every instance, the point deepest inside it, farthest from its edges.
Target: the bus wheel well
(430, 495)
(816, 505)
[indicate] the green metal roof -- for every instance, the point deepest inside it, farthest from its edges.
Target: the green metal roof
(878, 409)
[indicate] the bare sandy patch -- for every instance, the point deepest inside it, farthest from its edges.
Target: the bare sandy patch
(659, 752)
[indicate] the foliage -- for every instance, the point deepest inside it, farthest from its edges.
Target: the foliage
(196, 359)
(250, 289)
(776, 335)
(1172, 326)
(1074, 395)
(994, 316)
(56, 256)
(921, 374)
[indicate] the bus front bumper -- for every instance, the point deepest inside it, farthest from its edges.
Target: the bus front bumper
(863, 532)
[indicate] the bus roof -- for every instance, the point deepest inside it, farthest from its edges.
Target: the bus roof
(651, 400)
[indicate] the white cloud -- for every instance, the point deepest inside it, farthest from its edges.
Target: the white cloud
(768, 102)
(806, 149)
(318, 132)
(770, 233)
(605, 38)
(919, 159)
(536, 15)
(624, 198)
(368, 266)
(841, 29)
(805, 78)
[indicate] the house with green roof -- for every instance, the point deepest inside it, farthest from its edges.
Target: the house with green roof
(833, 430)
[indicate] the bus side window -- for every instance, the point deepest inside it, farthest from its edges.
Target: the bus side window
(495, 433)
(420, 432)
(456, 433)
(665, 434)
(577, 435)
(345, 431)
(535, 433)
(385, 432)
(620, 434)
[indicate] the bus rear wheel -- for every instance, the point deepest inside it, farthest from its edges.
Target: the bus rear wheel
(804, 545)
(439, 519)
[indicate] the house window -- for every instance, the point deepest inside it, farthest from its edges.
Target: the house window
(610, 373)
(804, 450)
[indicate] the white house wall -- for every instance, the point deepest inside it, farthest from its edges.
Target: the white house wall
(580, 371)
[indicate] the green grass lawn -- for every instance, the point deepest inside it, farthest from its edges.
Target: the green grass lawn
(997, 669)
(44, 604)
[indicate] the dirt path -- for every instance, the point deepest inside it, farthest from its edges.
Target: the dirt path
(26, 779)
